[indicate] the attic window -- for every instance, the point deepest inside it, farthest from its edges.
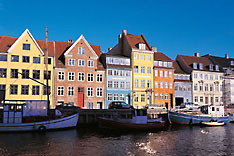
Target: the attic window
(194, 65)
(142, 46)
(232, 63)
(211, 67)
(216, 67)
(26, 46)
(201, 66)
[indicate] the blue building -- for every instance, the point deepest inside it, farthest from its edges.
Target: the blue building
(118, 78)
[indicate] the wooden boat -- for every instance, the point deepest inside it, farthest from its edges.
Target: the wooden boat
(197, 117)
(138, 121)
(213, 123)
(66, 122)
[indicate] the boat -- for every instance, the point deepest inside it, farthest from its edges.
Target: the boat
(212, 123)
(195, 117)
(13, 113)
(138, 121)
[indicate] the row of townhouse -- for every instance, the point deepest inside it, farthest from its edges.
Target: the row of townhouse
(131, 71)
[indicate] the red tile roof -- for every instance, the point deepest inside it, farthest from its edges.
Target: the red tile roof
(6, 42)
(161, 56)
(178, 69)
(133, 41)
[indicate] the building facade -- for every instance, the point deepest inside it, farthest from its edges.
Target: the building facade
(118, 78)
(182, 86)
(80, 77)
(207, 79)
(21, 60)
(163, 81)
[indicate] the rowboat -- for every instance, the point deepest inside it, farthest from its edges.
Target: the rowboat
(213, 123)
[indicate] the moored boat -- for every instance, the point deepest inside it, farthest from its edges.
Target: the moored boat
(197, 117)
(213, 123)
(138, 121)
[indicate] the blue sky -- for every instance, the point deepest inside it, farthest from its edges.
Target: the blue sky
(173, 26)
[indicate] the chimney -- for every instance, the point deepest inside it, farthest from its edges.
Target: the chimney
(109, 49)
(226, 56)
(196, 54)
(124, 32)
(70, 41)
(154, 49)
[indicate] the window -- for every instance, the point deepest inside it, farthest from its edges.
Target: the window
(211, 87)
(165, 64)
(169, 64)
(90, 63)
(14, 73)
(121, 73)
(195, 87)
(142, 57)
(148, 70)
(99, 92)
(136, 83)
(109, 72)
(148, 58)
(49, 75)
(109, 84)
(136, 56)
(156, 73)
(148, 83)
(142, 83)
(211, 67)
(161, 95)
(128, 73)
(232, 63)
(221, 87)
(121, 97)
(201, 76)
(71, 62)
(70, 91)
(206, 76)
(36, 74)
(170, 85)
(194, 65)
(60, 91)
(71, 76)
(116, 72)
(136, 69)
(26, 59)
(142, 46)
(206, 87)
(201, 98)
(136, 97)
(166, 73)
(90, 91)
(128, 85)
(216, 99)
(24, 89)
(160, 63)
(45, 90)
(161, 84)
(109, 97)
(142, 97)
(81, 76)
(26, 46)
(201, 86)
(116, 84)
(161, 73)
(36, 60)
(80, 62)
(116, 97)
(170, 74)
(195, 76)
(196, 98)
(156, 95)
(90, 77)
(14, 58)
(81, 50)
(201, 66)
(35, 90)
(166, 96)
(49, 60)
(156, 84)
(90, 105)
(216, 67)
(122, 85)
(217, 87)
(221, 77)
(176, 88)
(155, 63)
(2, 87)
(166, 84)
(211, 77)
(25, 73)
(216, 77)
(13, 89)
(61, 75)
(3, 57)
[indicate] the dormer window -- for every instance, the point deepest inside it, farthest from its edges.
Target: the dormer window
(194, 65)
(232, 63)
(26, 46)
(201, 66)
(216, 67)
(211, 67)
(142, 46)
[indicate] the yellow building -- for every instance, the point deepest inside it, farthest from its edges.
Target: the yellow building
(21, 59)
(137, 48)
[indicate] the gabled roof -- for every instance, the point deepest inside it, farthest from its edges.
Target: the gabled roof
(134, 40)
(161, 56)
(189, 60)
(178, 69)
(6, 42)
(222, 61)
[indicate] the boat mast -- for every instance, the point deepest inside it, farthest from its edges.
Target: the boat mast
(47, 81)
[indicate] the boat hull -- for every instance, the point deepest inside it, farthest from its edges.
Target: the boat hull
(66, 122)
(187, 119)
(212, 123)
(115, 124)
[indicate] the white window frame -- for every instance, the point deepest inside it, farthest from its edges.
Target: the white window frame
(82, 63)
(81, 50)
(59, 89)
(109, 97)
(71, 62)
(71, 75)
(82, 76)
(61, 74)
(99, 92)
(90, 63)
(70, 90)
(99, 78)
(90, 91)
(90, 76)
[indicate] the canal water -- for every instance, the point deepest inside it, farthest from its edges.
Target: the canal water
(174, 141)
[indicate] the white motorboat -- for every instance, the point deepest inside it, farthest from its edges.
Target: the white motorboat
(213, 123)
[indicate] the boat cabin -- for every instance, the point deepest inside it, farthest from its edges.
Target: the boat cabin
(216, 111)
(12, 113)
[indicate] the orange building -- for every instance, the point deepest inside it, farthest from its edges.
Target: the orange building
(163, 81)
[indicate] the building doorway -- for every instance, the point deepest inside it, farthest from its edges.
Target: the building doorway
(80, 97)
(171, 100)
(149, 100)
(99, 105)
